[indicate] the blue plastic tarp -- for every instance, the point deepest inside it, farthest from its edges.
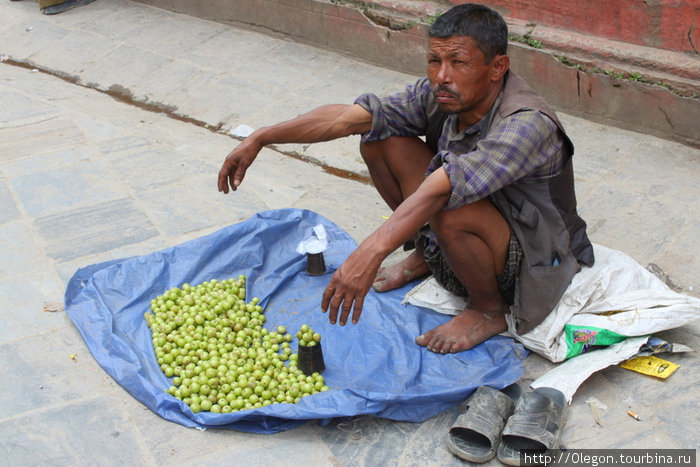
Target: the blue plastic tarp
(373, 367)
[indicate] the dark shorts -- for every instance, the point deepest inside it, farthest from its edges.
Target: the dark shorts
(447, 279)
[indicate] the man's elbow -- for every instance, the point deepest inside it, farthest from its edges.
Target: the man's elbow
(356, 119)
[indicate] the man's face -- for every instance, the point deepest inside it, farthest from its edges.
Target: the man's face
(459, 76)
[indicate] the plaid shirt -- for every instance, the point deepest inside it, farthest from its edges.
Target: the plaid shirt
(525, 146)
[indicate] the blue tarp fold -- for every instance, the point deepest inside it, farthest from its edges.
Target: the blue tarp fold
(373, 367)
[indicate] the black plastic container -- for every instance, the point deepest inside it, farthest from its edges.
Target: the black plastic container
(311, 359)
(315, 265)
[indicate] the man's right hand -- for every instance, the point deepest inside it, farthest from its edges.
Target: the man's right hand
(236, 163)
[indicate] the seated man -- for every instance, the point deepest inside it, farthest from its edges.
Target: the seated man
(488, 199)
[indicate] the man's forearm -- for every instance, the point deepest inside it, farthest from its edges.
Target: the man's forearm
(416, 210)
(324, 123)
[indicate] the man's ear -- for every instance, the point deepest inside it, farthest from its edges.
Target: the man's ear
(499, 67)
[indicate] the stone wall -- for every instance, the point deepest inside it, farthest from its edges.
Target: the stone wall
(664, 24)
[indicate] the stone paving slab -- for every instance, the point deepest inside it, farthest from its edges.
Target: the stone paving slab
(86, 177)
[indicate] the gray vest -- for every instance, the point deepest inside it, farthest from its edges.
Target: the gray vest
(543, 217)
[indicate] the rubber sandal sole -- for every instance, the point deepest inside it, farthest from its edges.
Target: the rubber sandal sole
(475, 434)
(535, 426)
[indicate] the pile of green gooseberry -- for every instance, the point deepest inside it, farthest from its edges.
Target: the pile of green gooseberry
(220, 357)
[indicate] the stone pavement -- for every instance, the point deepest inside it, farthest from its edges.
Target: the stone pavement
(113, 124)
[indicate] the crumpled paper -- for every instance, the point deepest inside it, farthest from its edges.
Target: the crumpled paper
(317, 243)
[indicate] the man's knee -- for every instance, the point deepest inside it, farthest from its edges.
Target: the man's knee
(371, 151)
(480, 218)
(474, 217)
(406, 149)
(397, 166)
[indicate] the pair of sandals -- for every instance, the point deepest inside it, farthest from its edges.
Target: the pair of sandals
(506, 423)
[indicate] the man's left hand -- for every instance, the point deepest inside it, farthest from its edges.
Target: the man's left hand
(348, 288)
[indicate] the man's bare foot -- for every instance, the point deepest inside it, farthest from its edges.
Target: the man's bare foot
(466, 330)
(399, 274)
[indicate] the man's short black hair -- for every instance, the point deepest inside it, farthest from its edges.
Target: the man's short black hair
(481, 23)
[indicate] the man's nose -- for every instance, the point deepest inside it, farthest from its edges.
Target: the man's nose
(444, 73)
